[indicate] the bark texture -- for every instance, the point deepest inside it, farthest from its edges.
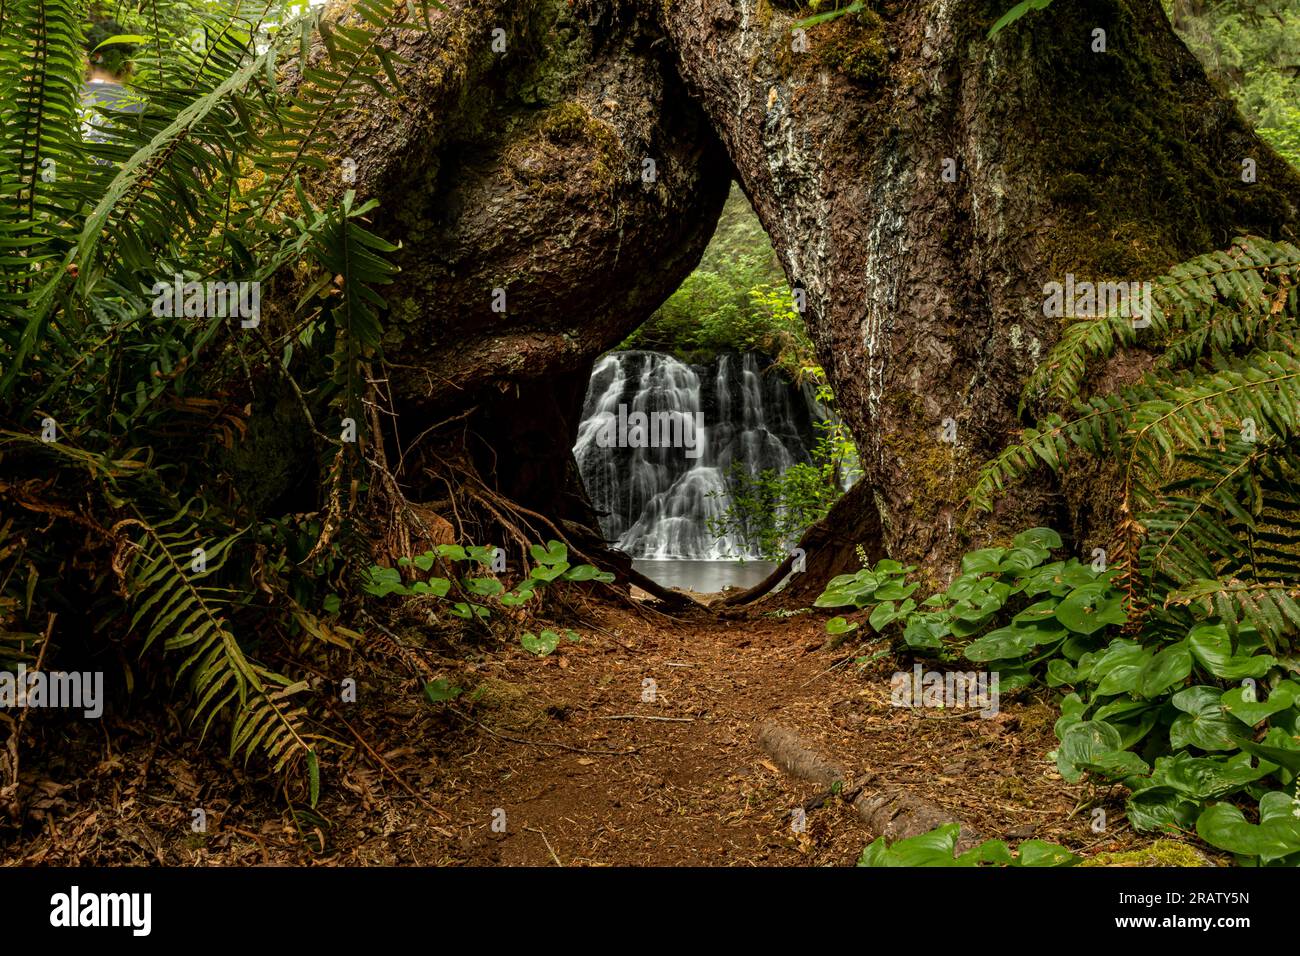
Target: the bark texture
(921, 183)
(924, 296)
(551, 185)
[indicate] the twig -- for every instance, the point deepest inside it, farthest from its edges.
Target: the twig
(384, 763)
(840, 663)
(548, 844)
(1108, 836)
(675, 720)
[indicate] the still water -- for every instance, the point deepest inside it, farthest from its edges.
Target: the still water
(705, 577)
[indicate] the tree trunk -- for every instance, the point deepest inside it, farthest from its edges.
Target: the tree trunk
(921, 183)
(924, 291)
(551, 185)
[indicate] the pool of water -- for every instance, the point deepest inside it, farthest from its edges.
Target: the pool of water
(705, 577)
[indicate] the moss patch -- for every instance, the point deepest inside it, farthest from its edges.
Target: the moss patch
(1160, 853)
(500, 704)
(853, 46)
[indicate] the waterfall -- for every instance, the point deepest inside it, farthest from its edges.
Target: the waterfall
(657, 500)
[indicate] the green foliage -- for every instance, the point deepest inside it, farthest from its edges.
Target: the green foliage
(939, 848)
(1205, 444)
(1015, 13)
(769, 510)
(857, 6)
(209, 180)
(479, 598)
(1176, 660)
(441, 691)
(735, 299)
(1176, 713)
(1251, 47)
(1008, 604)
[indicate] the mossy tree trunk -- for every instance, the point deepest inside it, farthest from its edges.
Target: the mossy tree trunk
(535, 234)
(920, 181)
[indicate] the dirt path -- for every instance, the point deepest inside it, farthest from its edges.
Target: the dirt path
(686, 783)
(695, 788)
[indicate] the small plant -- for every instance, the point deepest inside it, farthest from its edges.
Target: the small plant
(1008, 604)
(939, 848)
(474, 597)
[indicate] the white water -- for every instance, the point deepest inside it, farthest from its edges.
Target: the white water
(658, 500)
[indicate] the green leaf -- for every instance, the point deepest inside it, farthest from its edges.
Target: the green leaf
(983, 561)
(838, 625)
(1251, 712)
(1040, 853)
(1212, 647)
(540, 644)
(1168, 667)
(1202, 722)
(440, 691)
(555, 552)
(1203, 778)
(806, 22)
(1160, 808)
(313, 778)
(383, 581)
(548, 573)
(483, 587)
(1015, 13)
(936, 848)
(1275, 836)
(1044, 538)
(1116, 765)
(1005, 642)
(438, 587)
(1089, 608)
(132, 38)
(1083, 743)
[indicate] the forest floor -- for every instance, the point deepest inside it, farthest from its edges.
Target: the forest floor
(570, 753)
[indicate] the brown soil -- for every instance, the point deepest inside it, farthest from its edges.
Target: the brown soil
(586, 771)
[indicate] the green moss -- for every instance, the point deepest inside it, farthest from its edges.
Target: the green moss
(1159, 853)
(854, 46)
(1136, 194)
(565, 122)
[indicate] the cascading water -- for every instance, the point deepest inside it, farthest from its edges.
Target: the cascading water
(657, 501)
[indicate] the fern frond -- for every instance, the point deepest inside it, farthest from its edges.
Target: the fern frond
(173, 604)
(1269, 607)
(1220, 299)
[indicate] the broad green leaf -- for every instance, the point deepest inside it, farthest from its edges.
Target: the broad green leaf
(1251, 712)
(540, 644)
(1089, 608)
(838, 625)
(1276, 835)
(1167, 668)
(440, 691)
(1083, 743)
(1212, 647)
(1202, 722)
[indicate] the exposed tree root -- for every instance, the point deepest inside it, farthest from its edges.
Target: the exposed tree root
(886, 811)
